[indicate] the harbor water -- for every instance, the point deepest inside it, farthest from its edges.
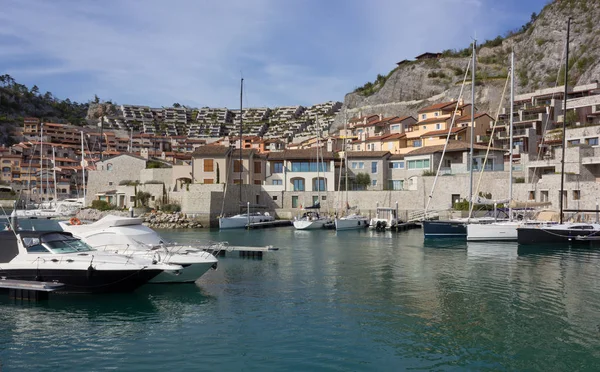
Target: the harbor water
(327, 301)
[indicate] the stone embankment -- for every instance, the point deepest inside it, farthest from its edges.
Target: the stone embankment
(160, 220)
(175, 220)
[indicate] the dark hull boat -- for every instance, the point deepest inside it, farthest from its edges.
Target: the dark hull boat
(445, 229)
(562, 233)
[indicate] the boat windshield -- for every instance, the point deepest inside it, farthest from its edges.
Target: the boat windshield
(68, 246)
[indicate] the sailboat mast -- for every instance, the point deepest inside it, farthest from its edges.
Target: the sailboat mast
(346, 156)
(318, 173)
(54, 173)
(41, 161)
(510, 146)
(564, 128)
(241, 130)
(472, 129)
(82, 168)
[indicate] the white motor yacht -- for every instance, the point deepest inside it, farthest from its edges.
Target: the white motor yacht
(127, 235)
(385, 218)
(59, 257)
(310, 220)
(352, 222)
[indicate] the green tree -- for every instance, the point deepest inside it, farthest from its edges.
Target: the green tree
(142, 197)
(362, 180)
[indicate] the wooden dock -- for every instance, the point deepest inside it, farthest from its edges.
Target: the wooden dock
(241, 251)
(264, 225)
(29, 290)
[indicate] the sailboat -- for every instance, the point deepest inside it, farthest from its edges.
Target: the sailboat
(243, 219)
(456, 228)
(505, 230)
(311, 218)
(353, 221)
(563, 232)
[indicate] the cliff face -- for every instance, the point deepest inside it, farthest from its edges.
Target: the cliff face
(539, 55)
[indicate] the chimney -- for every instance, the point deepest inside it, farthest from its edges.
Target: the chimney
(380, 116)
(461, 102)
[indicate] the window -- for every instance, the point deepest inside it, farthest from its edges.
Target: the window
(208, 181)
(574, 142)
(438, 126)
(423, 116)
(318, 184)
(277, 182)
(592, 141)
(436, 114)
(278, 167)
(237, 166)
(257, 182)
(373, 167)
(38, 248)
(576, 194)
(544, 196)
(357, 165)
(417, 143)
(395, 127)
(294, 201)
(424, 127)
(323, 197)
(396, 165)
(373, 182)
(395, 184)
(208, 165)
(110, 183)
(257, 167)
(305, 166)
(109, 167)
(274, 197)
(298, 184)
(418, 164)
(531, 195)
(238, 181)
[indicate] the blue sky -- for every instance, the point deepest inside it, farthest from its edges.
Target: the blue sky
(158, 52)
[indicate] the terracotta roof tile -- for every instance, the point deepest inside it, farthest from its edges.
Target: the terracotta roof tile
(299, 154)
(437, 106)
(367, 154)
(452, 146)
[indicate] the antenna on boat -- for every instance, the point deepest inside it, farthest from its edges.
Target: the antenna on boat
(564, 127)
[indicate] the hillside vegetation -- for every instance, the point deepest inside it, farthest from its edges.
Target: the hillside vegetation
(538, 45)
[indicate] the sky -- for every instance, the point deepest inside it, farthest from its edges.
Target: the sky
(194, 52)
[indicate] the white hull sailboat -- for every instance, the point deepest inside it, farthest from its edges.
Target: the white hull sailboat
(243, 220)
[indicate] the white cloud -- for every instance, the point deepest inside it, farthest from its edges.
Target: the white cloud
(192, 52)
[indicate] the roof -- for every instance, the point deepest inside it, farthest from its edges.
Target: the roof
(400, 119)
(467, 117)
(131, 155)
(444, 132)
(299, 154)
(452, 146)
(393, 136)
(211, 150)
(432, 120)
(428, 54)
(402, 62)
(397, 157)
(437, 106)
(367, 154)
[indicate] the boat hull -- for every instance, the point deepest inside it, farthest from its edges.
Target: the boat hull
(542, 235)
(84, 281)
(445, 229)
(492, 232)
(241, 222)
(309, 225)
(351, 224)
(189, 274)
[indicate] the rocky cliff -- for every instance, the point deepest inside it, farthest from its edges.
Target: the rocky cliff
(538, 46)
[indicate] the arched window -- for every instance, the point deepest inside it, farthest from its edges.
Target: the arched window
(319, 184)
(109, 167)
(298, 184)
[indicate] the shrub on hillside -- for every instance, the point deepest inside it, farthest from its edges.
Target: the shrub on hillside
(102, 205)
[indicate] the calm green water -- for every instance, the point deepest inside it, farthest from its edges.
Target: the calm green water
(355, 300)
